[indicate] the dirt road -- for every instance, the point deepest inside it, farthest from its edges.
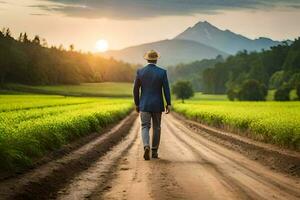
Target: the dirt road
(190, 167)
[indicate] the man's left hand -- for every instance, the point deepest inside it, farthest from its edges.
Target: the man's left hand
(168, 109)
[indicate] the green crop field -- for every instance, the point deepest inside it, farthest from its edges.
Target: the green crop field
(274, 122)
(31, 125)
(107, 89)
(223, 97)
(210, 97)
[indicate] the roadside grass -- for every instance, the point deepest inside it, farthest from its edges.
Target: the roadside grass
(106, 89)
(32, 125)
(272, 122)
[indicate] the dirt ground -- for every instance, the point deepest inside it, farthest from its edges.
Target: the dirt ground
(190, 166)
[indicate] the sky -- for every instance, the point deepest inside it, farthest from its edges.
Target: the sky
(125, 23)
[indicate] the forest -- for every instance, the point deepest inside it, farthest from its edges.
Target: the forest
(277, 68)
(192, 71)
(31, 61)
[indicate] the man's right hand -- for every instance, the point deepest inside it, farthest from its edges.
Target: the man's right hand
(168, 109)
(137, 109)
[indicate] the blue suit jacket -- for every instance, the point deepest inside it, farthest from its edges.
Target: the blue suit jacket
(151, 80)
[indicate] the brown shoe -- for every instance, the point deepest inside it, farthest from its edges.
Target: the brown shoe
(147, 153)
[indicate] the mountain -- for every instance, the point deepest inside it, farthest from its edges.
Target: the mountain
(224, 40)
(202, 41)
(172, 52)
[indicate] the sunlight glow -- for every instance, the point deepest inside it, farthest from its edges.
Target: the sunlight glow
(101, 45)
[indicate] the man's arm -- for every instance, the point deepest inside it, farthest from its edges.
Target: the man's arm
(167, 91)
(136, 91)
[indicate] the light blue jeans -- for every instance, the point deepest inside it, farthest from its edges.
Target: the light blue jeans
(146, 125)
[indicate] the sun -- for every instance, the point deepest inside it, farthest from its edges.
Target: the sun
(101, 45)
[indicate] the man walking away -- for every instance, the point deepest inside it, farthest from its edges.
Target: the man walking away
(152, 80)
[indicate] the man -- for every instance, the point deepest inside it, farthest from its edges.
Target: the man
(151, 79)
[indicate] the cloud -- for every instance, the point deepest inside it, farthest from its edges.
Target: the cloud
(135, 9)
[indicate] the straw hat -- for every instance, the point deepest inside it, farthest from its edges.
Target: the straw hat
(151, 55)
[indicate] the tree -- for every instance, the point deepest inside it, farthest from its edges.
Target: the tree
(44, 43)
(252, 90)
(72, 47)
(258, 72)
(276, 80)
(36, 40)
(8, 33)
(25, 38)
(264, 89)
(20, 38)
(192, 72)
(292, 61)
(295, 80)
(208, 77)
(298, 91)
(231, 94)
(283, 93)
(2, 33)
(183, 90)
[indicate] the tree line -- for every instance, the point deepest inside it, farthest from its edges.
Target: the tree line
(192, 71)
(249, 75)
(31, 61)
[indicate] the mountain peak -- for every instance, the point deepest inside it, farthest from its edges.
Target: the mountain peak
(204, 24)
(224, 40)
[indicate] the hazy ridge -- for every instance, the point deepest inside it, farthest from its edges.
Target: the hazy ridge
(202, 41)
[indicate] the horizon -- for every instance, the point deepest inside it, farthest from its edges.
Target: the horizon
(54, 20)
(15, 36)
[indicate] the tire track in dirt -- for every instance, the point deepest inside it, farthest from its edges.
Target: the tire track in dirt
(265, 175)
(43, 182)
(257, 180)
(139, 179)
(169, 177)
(98, 176)
(279, 159)
(192, 167)
(207, 173)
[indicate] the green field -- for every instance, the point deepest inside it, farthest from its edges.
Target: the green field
(223, 97)
(209, 97)
(273, 122)
(31, 125)
(107, 89)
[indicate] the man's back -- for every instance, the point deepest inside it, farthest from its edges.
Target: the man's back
(151, 79)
